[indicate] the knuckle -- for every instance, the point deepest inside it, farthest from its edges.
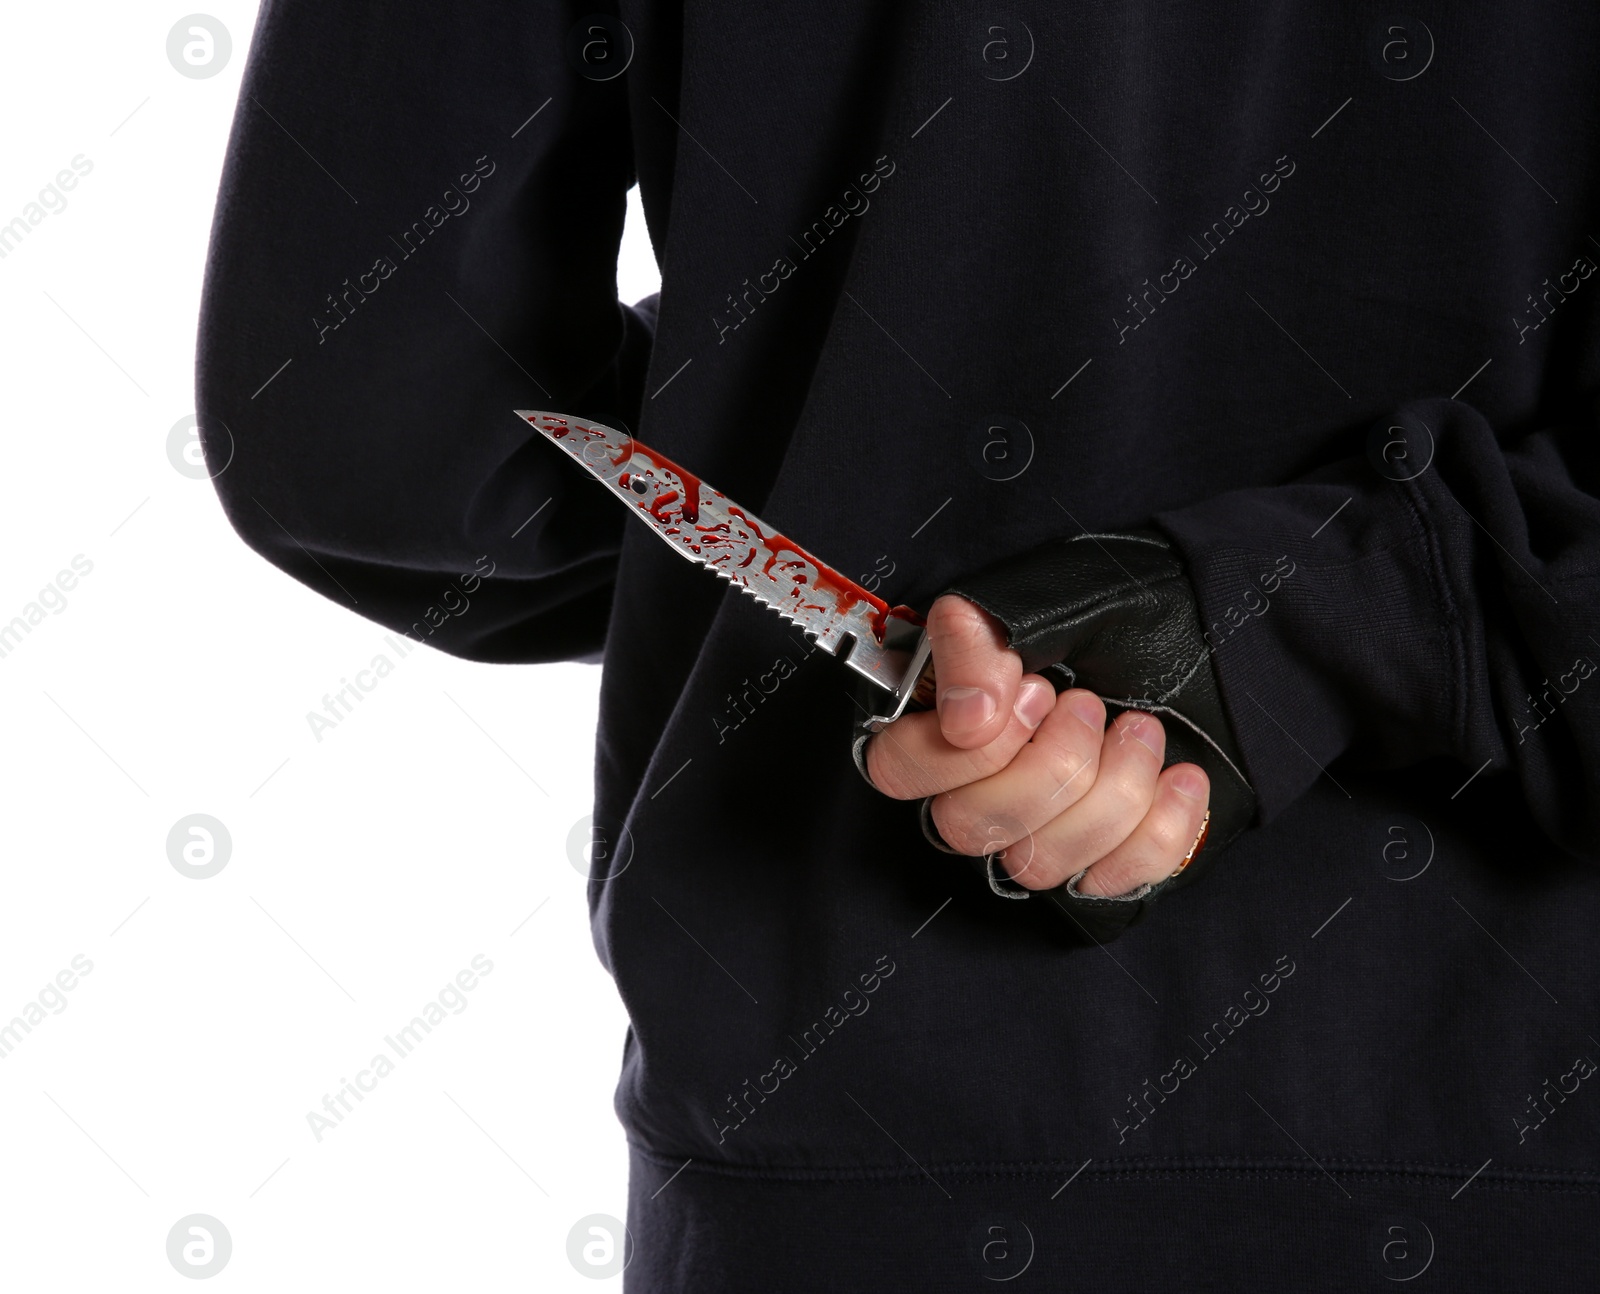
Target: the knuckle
(1171, 832)
(958, 827)
(1034, 866)
(988, 760)
(1130, 795)
(1055, 857)
(887, 773)
(955, 615)
(1119, 875)
(1141, 731)
(1071, 769)
(1104, 840)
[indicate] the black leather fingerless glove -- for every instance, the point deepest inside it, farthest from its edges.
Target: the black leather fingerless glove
(1116, 614)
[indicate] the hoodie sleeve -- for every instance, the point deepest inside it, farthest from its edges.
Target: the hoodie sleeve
(1434, 598)
(416, 233)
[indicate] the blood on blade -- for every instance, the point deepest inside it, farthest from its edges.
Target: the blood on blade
(839, 595)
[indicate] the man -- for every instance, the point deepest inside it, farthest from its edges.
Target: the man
(1238, 372)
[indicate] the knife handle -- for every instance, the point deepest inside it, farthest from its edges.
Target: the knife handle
(925, 691)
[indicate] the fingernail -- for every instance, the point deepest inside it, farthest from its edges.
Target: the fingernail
(1190, 782)
(1143, 729)
(1085, 707)
(1035, 699)
(962, 709)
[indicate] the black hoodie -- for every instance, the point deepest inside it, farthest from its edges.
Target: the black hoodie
(1312, 288)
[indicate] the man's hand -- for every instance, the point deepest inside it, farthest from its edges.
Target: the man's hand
(1013, 765)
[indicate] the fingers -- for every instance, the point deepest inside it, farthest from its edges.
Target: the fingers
(1160, 841)
(911, 758)
(1054, 789)
(1045, 778)
(977, 673)
(1105, 816)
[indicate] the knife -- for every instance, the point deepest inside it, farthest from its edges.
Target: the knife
(886, 645)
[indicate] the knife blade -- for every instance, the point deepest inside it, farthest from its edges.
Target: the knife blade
(883, 644)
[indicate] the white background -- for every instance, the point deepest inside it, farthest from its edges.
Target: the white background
(366, 869)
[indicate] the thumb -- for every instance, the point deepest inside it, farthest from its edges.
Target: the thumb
(977, 674)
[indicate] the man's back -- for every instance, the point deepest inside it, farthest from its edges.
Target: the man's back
(1308, 292)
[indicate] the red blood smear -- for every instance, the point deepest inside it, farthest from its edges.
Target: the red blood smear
(691, 483)
(662, 500)
(846, 593)
(691, 495)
